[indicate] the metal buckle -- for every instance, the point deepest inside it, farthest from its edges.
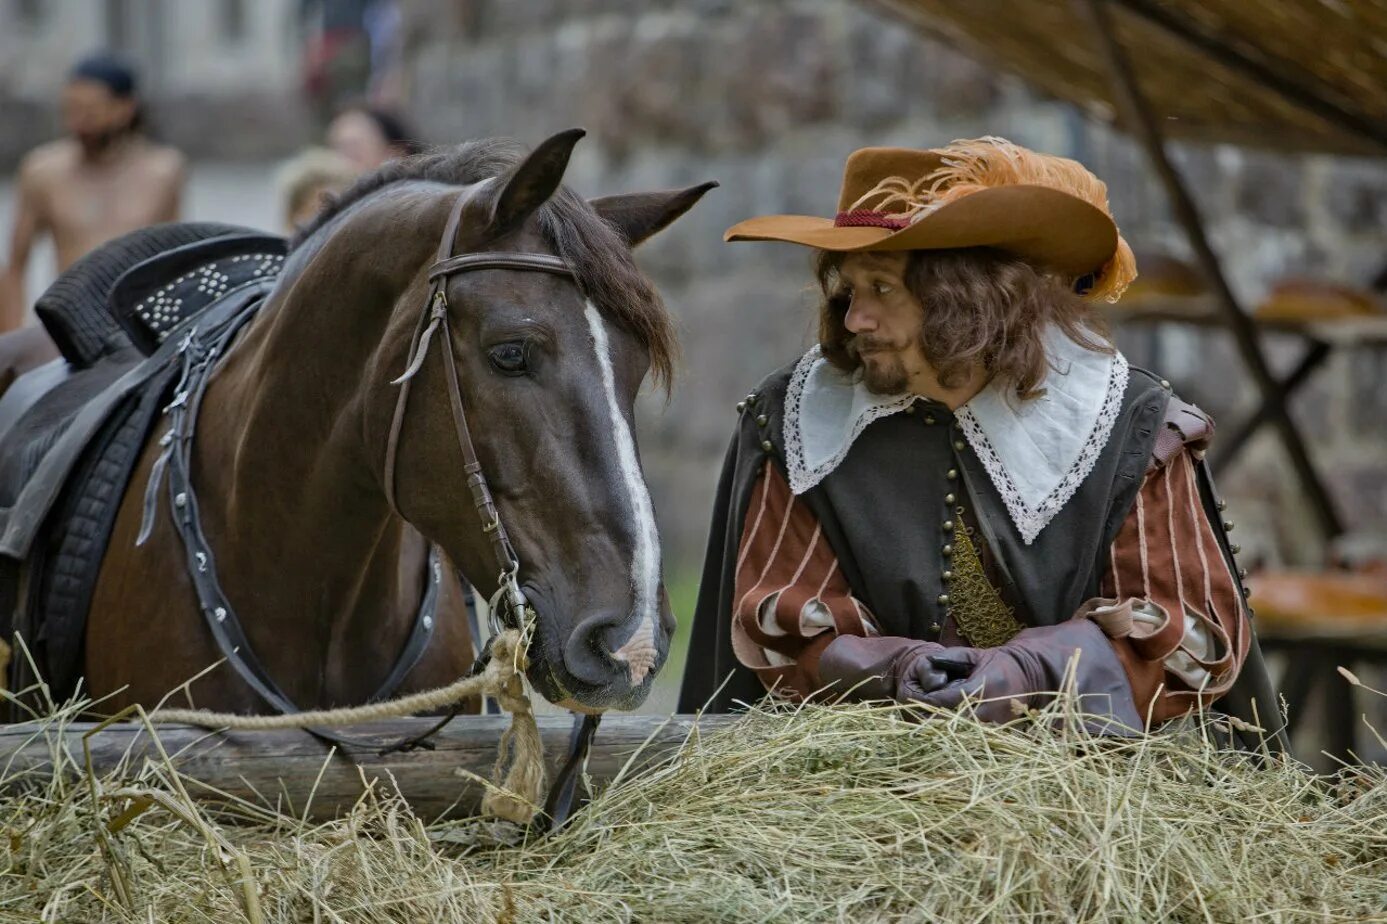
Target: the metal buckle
(506, 606)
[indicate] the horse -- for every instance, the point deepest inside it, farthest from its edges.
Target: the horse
(322, 491)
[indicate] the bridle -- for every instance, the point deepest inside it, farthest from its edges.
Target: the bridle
(507, 605)
(198, 353)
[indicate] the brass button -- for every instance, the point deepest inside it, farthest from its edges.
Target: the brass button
(1223, 505)
(1165, 383)
(741, 406)
(762, 420)
(943, 599)
(948, 498)
(1247, 592)
(1235, 549)
(951, 474)
(947, 550)
(1242, 574)
(935, 627)
(1227, 526)
(766, 445)
(910, 409)
(929, 418)
(947, 576)
(958, 445)
(948, 526)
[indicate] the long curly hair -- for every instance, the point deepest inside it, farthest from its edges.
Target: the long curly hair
(981, 306)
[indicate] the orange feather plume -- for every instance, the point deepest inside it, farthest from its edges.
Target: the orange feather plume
(970, 165)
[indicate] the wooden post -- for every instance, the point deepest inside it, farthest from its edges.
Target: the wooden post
(1138, 118)
(285, 767)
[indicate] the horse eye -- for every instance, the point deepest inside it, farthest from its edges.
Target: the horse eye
(508, 358)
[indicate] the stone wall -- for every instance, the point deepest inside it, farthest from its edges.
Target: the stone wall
(769, 97)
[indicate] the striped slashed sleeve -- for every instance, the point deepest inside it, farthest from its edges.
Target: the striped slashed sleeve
(790, 597)
(1172, 605)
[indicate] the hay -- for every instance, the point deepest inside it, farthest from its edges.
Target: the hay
(842, 814)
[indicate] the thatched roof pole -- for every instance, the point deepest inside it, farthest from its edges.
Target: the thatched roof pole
(1286, 79)
(1137, 116)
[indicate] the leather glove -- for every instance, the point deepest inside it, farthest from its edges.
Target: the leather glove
(1031, 667)
(881, 667)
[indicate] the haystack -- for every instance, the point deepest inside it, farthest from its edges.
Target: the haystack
(817, 814)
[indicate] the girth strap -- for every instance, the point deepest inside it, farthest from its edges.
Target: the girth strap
(198, 357)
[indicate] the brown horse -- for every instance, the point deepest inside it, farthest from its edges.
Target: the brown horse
(290, 459)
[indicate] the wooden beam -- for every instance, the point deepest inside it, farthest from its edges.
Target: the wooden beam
(1227, 448)
(1139, 118)
(1285, 78)
(284, 767)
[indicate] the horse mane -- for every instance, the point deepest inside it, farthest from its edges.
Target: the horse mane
(601, 259)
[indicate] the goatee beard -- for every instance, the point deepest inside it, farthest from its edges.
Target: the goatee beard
(885, 375)
(98, 144)
(883, 371)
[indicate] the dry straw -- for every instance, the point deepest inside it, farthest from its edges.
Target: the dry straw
(820, 814)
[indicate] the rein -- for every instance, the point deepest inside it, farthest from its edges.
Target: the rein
(508, 604)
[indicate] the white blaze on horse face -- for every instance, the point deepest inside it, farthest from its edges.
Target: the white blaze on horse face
(638, 652)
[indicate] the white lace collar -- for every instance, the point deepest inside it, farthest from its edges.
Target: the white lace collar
(1036, 452)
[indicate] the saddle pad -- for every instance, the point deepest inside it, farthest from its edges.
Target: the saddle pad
(54, 533)
(155, 296)
(74, 308)
(75, 541)
(27, 442)
(74, 412)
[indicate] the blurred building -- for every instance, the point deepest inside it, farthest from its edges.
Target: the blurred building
(222, 77)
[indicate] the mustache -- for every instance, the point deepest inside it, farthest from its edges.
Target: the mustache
(862, 344)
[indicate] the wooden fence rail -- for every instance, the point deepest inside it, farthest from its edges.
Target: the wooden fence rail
(284, 767)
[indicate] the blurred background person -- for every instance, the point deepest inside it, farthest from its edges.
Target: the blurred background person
(368, 135)
(307, 180)
(104, 179)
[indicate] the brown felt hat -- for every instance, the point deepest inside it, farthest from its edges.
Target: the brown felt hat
(987, 192)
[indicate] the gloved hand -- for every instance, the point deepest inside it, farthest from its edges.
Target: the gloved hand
(881, 667)
(1031, 667)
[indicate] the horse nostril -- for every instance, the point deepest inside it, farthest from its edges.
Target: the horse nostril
(585, 653)
(590, 655)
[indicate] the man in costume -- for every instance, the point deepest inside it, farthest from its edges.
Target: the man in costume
(964, 491)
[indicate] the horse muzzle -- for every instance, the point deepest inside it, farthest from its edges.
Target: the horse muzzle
(607, 661)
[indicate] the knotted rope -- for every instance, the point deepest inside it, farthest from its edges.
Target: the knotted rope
(520, 753)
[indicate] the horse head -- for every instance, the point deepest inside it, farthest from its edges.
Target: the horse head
(548, 366)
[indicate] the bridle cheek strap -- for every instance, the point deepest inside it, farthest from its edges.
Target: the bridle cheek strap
(433, 324)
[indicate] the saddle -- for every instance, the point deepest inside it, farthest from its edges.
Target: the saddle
(73, 430)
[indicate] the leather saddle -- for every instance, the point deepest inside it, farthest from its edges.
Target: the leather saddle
(72, 431)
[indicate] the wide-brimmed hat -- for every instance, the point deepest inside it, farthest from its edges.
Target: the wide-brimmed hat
(986, 192)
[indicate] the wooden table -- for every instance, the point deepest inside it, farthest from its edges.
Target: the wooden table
(1320, 621)
(1321, 338)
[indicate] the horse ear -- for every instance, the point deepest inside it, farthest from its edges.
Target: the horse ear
(639, 216)
(530, 183)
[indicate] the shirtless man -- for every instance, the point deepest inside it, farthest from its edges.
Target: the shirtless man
(101, 181)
